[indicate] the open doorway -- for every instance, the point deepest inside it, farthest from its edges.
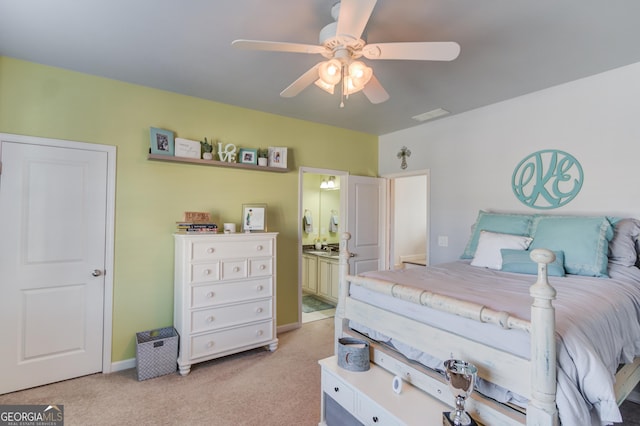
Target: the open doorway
(409, 220)
(321, 213)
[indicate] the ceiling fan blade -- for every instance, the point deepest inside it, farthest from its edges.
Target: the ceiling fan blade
(276, 46)
(353, 17)
(306, 79)
(374, 91)
(419, 51)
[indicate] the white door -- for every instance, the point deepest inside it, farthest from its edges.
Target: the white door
(53, 204)
(366, 222)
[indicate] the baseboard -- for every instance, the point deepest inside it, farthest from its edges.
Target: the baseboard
(131, 362)
(123, 365)
(288, 327)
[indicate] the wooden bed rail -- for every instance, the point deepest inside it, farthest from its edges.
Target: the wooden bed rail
(541, 410)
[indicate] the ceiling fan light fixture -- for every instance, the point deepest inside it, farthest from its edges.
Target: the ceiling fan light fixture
(330, 72)
(329, 88)
(358, 77)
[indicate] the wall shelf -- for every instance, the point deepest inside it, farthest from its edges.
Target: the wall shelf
(214, 163)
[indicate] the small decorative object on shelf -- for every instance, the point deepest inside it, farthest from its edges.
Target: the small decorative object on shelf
(207, 149)
(187, 148)
(248, 156)
(162, 142)
(263, 156)
(278, 157)
(227, 154)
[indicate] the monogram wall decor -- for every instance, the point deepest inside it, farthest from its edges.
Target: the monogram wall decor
(547, 179)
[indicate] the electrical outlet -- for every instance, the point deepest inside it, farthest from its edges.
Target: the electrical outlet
(443, 241)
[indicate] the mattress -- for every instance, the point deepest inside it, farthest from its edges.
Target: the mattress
(597, 326)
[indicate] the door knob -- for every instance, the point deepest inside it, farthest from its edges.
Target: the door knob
(96, 272)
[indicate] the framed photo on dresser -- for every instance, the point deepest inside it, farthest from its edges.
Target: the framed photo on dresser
(254, 218)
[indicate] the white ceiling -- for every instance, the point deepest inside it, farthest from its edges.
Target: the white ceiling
(508, 48)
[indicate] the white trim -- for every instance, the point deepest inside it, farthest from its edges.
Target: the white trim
(109, 231)
(124, 365)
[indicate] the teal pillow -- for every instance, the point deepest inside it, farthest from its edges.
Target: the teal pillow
(584, 241)
(519, 261)
(503, 223)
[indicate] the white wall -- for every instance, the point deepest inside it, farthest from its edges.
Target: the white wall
(472, 156)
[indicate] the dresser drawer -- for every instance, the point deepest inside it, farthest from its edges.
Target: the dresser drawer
(260, 267)
(221, 248)
(342, 393)
(203, 272)
(230, 292)
(226, 316)
(226, 340)
(371, 414)
(233, 269)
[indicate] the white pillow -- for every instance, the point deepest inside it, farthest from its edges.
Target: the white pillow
(489, 245)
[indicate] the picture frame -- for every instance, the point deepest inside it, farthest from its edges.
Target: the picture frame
(248, 156)
(162, 142)
(254, 218)
(187, 148)
(278, 157)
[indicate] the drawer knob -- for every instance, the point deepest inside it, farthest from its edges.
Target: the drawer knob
(236, 269)
(259, 288)
(206, 272)
(210, 319)
(210, 294)
(259, 310)
(259, 248)
(375, 419)
(210, 250)
(210, 344)
(262, 267)
(259, 333)
(336, 389)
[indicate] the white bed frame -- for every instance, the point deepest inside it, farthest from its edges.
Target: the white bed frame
(534, 379)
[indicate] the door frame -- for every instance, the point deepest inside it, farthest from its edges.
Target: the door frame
(391, 204)
(109, 231)
(342, 218)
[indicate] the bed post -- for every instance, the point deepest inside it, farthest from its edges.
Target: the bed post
(343, 286)
(542, 410)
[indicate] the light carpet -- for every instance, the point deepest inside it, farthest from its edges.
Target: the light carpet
(256, 387)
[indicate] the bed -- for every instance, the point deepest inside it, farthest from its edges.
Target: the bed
(555, 339)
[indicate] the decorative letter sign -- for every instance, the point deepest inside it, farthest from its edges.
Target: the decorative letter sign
(228, 154)
(547, 179)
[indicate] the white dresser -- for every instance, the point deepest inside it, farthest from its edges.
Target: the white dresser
(224, 295)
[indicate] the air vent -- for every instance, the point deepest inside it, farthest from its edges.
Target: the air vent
(430, 115)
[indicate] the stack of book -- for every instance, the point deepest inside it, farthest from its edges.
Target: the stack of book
(193, 227)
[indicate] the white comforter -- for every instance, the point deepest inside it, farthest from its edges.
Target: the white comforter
(597, 323)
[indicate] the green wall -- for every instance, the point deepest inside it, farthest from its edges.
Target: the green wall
(151, 196)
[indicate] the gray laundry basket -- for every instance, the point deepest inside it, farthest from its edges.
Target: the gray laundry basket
(156, 352)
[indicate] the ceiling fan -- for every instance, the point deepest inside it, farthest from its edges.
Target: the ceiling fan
(341, 44)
